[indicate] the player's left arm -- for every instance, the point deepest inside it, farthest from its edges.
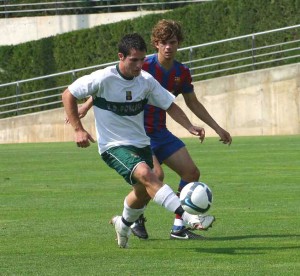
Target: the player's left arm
(83, 109)
(200, 111)
(177, 114)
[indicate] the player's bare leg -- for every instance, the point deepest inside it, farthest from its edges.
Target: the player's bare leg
(139, 228)
(148, 185)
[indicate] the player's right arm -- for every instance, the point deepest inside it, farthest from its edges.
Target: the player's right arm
(82, 137)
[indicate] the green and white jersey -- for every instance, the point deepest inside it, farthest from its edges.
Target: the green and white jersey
(119, 105)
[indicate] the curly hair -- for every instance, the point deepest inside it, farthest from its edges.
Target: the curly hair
(166, 29)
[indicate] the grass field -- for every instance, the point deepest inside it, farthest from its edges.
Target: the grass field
(56, 201)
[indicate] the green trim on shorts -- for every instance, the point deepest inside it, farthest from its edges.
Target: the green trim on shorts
(124, 160)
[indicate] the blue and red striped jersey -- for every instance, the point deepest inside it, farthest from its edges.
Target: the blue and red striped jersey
(177, 80)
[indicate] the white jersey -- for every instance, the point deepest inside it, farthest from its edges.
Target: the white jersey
(119, 105)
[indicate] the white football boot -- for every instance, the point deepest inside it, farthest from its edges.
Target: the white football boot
(198, 222)
(122, 230)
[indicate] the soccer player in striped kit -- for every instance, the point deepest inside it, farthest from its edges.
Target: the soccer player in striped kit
(167, 148)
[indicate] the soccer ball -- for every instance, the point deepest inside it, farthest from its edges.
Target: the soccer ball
(196, 198)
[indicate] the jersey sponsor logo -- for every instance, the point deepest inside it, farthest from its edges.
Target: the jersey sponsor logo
(177, 80)
(177, 86)
(121, 109)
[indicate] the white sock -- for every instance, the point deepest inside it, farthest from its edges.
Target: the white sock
(178, 223)
(167, 198)
(130, 214)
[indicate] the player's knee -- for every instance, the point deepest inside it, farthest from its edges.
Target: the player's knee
(142, 172)
(197, 173)
(146, 176)
(193, 174)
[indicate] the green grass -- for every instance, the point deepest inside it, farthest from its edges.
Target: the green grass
(56, 201)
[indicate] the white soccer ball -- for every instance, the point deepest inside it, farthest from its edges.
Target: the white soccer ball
(196, 198)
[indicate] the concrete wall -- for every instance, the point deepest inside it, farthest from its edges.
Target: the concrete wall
(18, 30)
(264, 102)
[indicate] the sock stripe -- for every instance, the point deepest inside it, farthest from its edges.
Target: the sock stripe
(127, 223)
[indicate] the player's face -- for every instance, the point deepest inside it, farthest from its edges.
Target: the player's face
(167, 49)
(131, 65)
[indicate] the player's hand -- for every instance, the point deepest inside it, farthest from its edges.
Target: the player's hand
(198, 131)
(83, 139)
(225, 137)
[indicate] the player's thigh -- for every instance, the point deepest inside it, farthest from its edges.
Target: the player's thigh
(182, 163)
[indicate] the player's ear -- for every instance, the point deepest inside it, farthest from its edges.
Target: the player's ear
(121, 56)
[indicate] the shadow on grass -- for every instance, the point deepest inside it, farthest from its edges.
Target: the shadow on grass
(245, 250)
(246, 237)
(229, 238)
(248, 250)
(205, 245)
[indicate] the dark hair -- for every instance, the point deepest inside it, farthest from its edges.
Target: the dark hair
(166, 29)
(132, 41)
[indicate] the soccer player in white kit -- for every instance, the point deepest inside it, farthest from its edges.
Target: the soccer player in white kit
(120, 93)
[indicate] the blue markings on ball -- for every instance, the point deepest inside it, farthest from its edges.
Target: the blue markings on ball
(187, 200)
(209, 195)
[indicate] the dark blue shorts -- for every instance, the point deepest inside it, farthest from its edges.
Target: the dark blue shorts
(164, 144)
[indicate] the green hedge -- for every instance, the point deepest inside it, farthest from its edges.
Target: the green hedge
(21, 8)
(205, 22)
